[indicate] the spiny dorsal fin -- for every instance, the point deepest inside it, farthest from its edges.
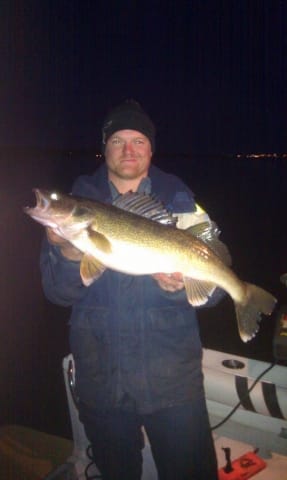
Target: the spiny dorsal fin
(209, 233)
(146, 206)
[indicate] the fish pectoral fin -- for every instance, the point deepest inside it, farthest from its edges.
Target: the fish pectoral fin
(90, 269)
(99, 240)
(198, 291)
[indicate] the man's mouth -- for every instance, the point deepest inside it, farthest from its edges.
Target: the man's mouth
(129, 160)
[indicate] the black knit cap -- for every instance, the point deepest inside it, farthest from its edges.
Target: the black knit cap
(129, 115)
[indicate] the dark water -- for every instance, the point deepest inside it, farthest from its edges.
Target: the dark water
(246, 197)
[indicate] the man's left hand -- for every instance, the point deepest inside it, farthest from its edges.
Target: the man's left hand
(171, 282)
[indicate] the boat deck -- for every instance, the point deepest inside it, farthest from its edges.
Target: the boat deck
(258, 424)
(27, 454)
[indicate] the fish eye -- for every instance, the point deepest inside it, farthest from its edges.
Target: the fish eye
(54, 196)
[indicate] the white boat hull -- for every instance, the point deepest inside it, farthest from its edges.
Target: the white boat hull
(260, 422)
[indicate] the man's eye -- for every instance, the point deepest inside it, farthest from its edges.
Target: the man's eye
(116, 141)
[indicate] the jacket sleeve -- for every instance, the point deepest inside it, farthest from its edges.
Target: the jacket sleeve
(61, 279)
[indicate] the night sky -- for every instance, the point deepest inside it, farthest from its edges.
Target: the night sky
(212, 74)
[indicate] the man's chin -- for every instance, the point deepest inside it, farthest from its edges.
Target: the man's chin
(129, 173)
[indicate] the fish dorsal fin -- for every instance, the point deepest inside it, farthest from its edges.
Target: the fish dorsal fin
(209, 233)
(198, 292)
(90, 269)
(146, 206)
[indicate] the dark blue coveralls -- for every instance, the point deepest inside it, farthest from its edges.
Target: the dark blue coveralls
(137, 354)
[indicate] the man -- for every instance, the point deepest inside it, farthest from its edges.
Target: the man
(135, 340)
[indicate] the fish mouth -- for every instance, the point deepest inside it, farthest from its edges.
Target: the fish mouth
(42, 203)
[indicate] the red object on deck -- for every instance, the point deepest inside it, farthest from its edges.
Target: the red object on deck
(242, 468)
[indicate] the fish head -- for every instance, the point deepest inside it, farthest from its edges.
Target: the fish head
(57, 210)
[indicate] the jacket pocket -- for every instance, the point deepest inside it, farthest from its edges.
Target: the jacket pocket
(164, 318)
(174, 342)
(90, 341)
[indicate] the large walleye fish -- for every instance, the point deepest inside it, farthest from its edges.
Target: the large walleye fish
(137, 236)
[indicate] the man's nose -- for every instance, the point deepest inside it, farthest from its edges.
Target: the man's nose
(128, 147)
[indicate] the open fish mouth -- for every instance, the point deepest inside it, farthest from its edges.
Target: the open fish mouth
(42, 201)
(41, 209)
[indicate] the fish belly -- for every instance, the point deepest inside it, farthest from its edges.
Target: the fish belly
(135, 260)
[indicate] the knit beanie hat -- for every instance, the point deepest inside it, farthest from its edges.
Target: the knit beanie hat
(129, 115)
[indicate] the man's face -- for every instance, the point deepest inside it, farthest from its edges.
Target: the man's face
(128, 155)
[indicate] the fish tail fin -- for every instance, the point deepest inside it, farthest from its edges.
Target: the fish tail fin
(248, 314)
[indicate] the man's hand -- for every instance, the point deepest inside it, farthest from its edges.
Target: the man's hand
(67, 249)
(171, 282)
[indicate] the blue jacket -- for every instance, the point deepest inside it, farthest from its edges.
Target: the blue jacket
(135, 346)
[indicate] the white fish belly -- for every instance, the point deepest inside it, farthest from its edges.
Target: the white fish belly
(136, 260)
